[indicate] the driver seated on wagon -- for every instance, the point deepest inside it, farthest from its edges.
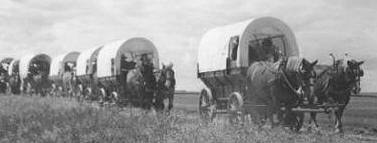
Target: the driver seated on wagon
(266, 51)
(270, 50)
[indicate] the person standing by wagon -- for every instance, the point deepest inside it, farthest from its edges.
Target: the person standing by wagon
(150, 81)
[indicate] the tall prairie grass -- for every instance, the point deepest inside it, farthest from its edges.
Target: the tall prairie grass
(61, 120)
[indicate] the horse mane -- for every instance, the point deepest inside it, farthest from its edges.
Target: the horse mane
(293, 63)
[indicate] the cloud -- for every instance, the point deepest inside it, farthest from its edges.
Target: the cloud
(176, 27)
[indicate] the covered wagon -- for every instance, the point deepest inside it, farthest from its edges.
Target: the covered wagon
(226, 52)
(4, 76)
(86, 71)
(33, 71)
(116, 59)
(62, 72)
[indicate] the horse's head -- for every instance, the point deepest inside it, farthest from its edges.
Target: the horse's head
(299, 75)
(166, 76)
(353, 73)
(307, 76)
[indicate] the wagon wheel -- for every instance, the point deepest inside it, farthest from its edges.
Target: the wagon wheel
(207, 106)
(102, 96)
(235, 107)
(59, 92)
(115, 97)
(88, 93)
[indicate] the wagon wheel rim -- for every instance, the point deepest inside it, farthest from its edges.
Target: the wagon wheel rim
(114, 98)
(87, 93)
(102, 95)
(206, 106)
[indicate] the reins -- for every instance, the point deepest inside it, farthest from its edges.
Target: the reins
(289, 83)
(286, 80)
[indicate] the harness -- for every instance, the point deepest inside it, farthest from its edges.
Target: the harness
(285, 78)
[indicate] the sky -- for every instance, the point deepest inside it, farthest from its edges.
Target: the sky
(176, 27)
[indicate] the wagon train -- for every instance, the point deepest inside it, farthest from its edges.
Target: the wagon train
(121, 72)
(102, 73)
(249, 62)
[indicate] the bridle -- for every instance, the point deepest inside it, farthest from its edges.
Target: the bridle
(354, 73)
(164, 80)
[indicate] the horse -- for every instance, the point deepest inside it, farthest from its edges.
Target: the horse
(277, 85)
(40, 83)
(68, 78)
(335, 85)
(165, 87)
(135, 85)
(15, 83)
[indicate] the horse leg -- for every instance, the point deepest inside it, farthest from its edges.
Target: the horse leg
(159, 102)
(313, 120)
(339, 114)
(338, 120)
(171, 100)
(300, 120)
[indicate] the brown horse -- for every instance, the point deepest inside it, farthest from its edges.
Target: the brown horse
(68, 83)
(335, 85)
(15, 83)
(277, 85)
(41, 83)
(165, 87)
(135, 85)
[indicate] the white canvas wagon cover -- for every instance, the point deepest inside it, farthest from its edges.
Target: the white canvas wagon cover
(57, 63)
(214, 47)
(113, 51)
(13, 65)
(26, 60)
(83, 59)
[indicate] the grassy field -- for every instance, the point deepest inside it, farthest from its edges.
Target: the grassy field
(35, 119)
